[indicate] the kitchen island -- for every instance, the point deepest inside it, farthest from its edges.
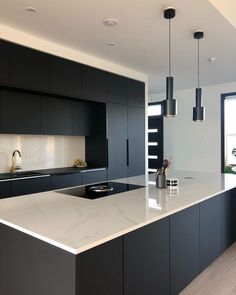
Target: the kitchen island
(145, 241)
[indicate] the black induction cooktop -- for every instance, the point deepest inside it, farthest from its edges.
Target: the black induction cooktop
(99, 190)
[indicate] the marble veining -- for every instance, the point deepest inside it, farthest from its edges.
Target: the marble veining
(76, 224)
(41, 151)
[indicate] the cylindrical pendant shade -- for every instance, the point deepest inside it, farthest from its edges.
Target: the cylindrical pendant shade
(169, 104)
(198, 111)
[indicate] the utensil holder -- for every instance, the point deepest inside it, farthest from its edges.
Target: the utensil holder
(161, 181)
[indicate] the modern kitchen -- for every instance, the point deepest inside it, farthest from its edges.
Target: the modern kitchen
(117, 147)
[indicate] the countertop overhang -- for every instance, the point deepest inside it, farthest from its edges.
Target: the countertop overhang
(77, 224)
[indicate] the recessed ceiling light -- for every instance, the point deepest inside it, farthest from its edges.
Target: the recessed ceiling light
(111, 43)
(110, 22)
(212, 59)
(31, 9)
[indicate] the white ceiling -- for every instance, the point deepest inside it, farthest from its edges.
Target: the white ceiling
(141, 35)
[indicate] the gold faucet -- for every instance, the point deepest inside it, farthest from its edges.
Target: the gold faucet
(15, 167)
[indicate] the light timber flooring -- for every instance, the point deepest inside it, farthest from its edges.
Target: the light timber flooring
(219, 278)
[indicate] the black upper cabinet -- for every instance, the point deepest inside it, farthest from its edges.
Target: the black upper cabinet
(66, 77)
(56, 116)
(94, 84)
(117, 140)
(184, 248)
(136, 93)
(116, 89)
(100, 269)
(136, 141)
(5, 189)
(19, 112)
(146, 260)
(4, 63)
(81, 118)
(210, 235)
(30, 68)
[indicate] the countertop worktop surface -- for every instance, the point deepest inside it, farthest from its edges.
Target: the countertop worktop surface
(77, 224)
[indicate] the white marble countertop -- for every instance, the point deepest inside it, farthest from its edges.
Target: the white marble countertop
(77, 224)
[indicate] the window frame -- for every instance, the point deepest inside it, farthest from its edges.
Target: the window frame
(223, 97)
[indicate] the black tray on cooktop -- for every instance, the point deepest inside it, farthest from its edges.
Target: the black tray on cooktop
(88, 193)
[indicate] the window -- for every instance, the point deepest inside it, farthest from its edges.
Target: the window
(229, 133)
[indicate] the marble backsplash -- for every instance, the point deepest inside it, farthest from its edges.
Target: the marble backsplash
(40, 151)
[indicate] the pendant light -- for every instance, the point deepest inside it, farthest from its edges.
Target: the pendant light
(198, 110)
(169, 104)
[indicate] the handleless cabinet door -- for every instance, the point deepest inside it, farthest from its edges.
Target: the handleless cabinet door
(94, 84)
(184, 248)
(210, 236)
(100, 269)
(30, 68)
(66, 77)
(116, 89)
(5, 189)
(136, 93)
(65, 180)
(56, 116)
(117, 140)
(4, 62)
(146, 260)
(94, 176)
(136, 141)
(30, 186)
(81, 118)
(20, 112)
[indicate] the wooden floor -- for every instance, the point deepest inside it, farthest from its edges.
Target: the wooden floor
(218, 279)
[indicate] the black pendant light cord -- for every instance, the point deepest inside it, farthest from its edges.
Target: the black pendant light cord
(169, 48)
(198, 64)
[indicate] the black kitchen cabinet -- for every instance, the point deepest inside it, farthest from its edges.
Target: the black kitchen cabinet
(100, 269)
(117, 140)
(4, 63)
(65, 180)
(81, 118)
(146, 260)
(116, 89)
(136, 93)
(5, 189)
(184, 248)
(29, 68)
(19, 113)
(136, 141)
(56, 116)
(228, 224)
(94, 176)
(94, 84)
(30, 186)
(210, 231)
(66, 77)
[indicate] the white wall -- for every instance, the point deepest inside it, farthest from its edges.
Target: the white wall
(195, 145)
(41, 151)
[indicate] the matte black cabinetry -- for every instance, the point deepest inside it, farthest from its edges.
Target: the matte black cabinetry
(19, 112)
(228, 219)
(4, 62)
(146, 260)
(184, 248)
(66, 77)
(116, 89)
(210, 231)
(65, 180)
(117, 140)
(94, 176)
(136, 93)
(5, 189)
(30, 68)
(56, 116)
(136, 141)
(30, 186)
(81, 118)
(94, 84)
(100, 270)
